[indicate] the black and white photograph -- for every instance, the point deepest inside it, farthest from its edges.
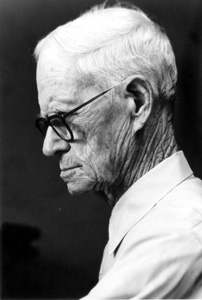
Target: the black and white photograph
(101, 149)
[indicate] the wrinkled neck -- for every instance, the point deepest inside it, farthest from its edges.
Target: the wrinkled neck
(150, 146)
(159, 143)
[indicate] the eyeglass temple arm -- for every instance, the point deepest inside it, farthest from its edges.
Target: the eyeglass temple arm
(89, 101)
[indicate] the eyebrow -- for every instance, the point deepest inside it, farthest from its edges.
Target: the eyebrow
(41, 115)
(55, 110)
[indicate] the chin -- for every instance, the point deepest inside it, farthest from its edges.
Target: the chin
(80, 187)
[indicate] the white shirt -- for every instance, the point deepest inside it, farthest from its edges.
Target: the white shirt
(155, 238)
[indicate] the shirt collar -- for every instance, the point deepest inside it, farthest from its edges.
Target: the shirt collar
(139, 199)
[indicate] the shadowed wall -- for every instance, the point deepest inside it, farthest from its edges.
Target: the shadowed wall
(53, 242)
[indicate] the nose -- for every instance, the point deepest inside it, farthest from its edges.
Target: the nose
(53, 144)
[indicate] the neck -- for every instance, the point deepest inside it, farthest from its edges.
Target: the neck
(161, 144)
(152, 146)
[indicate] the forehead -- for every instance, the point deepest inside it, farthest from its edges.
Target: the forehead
(57, 79)
(59, 85)
(54, 67)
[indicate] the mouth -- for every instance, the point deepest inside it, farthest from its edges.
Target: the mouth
(67, 173)
(70, 168)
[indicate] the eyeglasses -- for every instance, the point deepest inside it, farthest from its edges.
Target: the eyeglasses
(58, 120)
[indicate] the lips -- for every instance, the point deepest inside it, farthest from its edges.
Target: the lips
(70, 168)
(68, 173)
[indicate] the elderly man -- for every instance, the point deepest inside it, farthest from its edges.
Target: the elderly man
(106, 84)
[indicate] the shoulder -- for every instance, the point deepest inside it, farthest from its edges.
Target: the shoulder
(165, 247)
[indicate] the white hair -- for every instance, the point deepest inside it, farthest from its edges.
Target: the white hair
(113, 43)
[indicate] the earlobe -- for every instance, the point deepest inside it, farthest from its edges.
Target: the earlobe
(141, 91)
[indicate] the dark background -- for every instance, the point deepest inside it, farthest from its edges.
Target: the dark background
(53, 242)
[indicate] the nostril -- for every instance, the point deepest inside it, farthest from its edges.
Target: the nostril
(61, 151)
(66, 147)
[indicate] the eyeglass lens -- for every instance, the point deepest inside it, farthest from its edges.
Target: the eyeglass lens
(58, 125)
(61, 128)
(43, 126)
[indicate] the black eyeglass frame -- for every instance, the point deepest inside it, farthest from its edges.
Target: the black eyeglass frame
(63, 115)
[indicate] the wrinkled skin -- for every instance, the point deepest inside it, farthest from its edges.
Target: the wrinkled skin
(106, 154)
(101, 130)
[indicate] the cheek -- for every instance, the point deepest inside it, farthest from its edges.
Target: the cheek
(93, 155)
(100, 155)
(98, 149)
(101, 133)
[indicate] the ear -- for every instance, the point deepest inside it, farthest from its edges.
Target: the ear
(139, 90)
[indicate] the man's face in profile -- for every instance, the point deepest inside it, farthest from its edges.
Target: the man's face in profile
(95, 156)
